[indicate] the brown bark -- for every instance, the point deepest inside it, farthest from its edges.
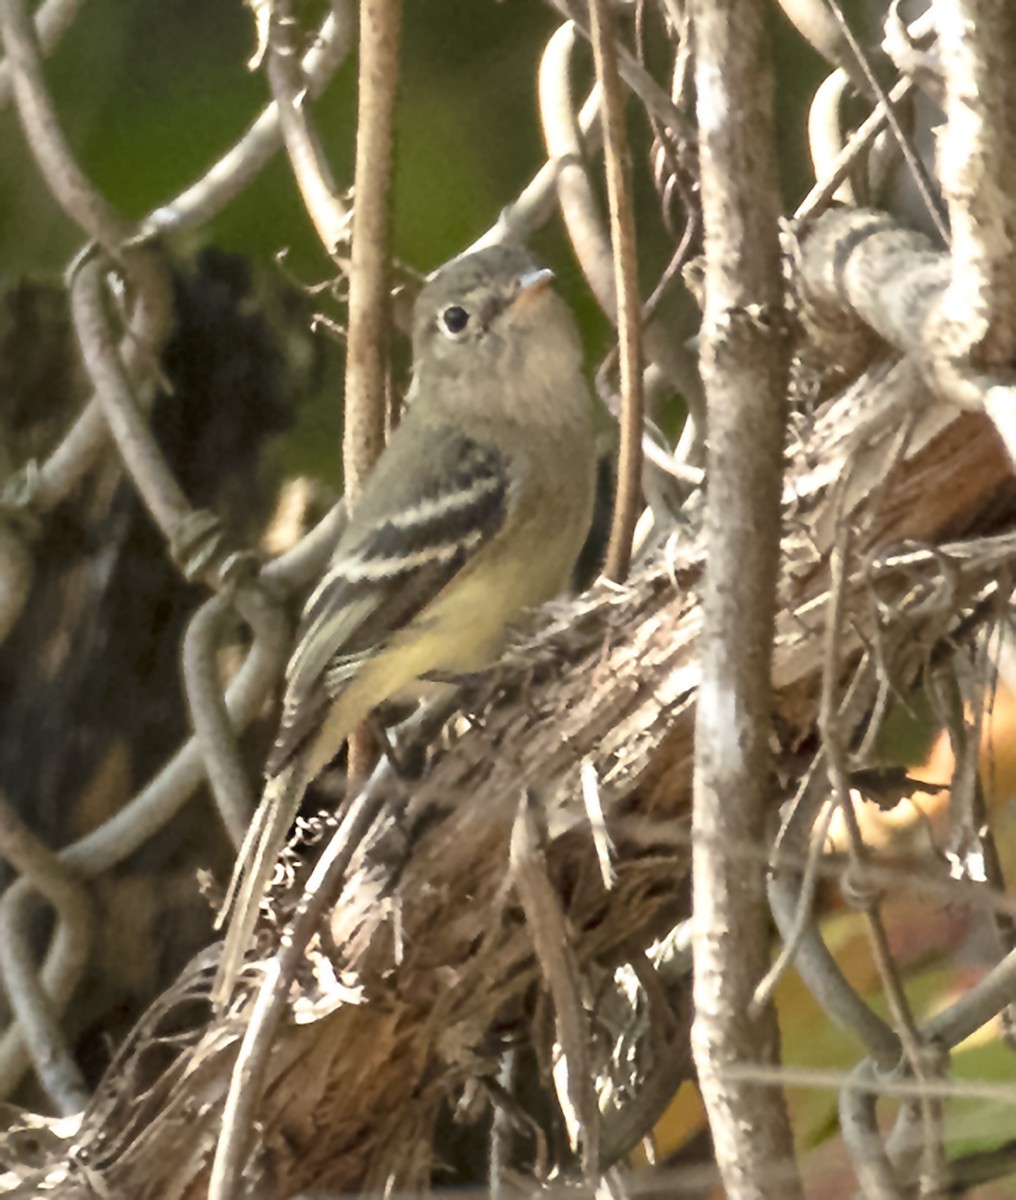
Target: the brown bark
(353, 1096)
(745, 363)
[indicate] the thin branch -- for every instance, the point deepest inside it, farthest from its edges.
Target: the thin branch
(804, 901)
(56, 477)
(877, 1083)
(195, 536)
(786, 889)
(366, 407)
(72, 190)
(827, 186)
(919, 174)
(52, 20)
(826, 982)
(366, 353)
(635, 76)
(318, 188)
(546, 926)
(246, 1081)
(303, 564)
(141, 453)
(575, 193)
(976, 1007)
(231, 174)
(626, 288)
(227, 775)
(863, 1140)
(42, 871)
(825, 134)
(594, 249)
(832, 742)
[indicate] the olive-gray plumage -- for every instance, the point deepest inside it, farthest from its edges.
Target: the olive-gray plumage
(497, 444)
(476, 510)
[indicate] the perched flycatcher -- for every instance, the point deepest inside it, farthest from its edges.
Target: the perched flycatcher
(477, 509)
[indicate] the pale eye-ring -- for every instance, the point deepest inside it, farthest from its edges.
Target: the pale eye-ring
(454, 320)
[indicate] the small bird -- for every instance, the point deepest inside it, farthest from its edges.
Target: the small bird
(477, 509)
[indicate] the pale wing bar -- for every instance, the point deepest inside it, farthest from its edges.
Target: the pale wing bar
(380, 578)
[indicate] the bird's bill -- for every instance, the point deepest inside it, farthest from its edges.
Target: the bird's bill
(531, 285)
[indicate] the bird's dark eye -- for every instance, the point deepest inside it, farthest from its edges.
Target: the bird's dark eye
(454, 319)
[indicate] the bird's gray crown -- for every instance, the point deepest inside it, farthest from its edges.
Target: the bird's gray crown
(462, 299)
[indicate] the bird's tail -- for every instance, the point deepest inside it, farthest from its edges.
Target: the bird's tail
(255, 863)
(407, 658)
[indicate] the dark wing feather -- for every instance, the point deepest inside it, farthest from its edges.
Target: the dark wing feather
(387, 568)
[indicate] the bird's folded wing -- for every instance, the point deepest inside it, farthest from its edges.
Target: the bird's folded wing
(395, 557)
(386, 569)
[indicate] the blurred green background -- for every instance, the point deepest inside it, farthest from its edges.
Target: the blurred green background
(152, 93)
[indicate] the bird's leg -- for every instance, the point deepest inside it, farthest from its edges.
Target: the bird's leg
(379, 732)
(474, 690)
